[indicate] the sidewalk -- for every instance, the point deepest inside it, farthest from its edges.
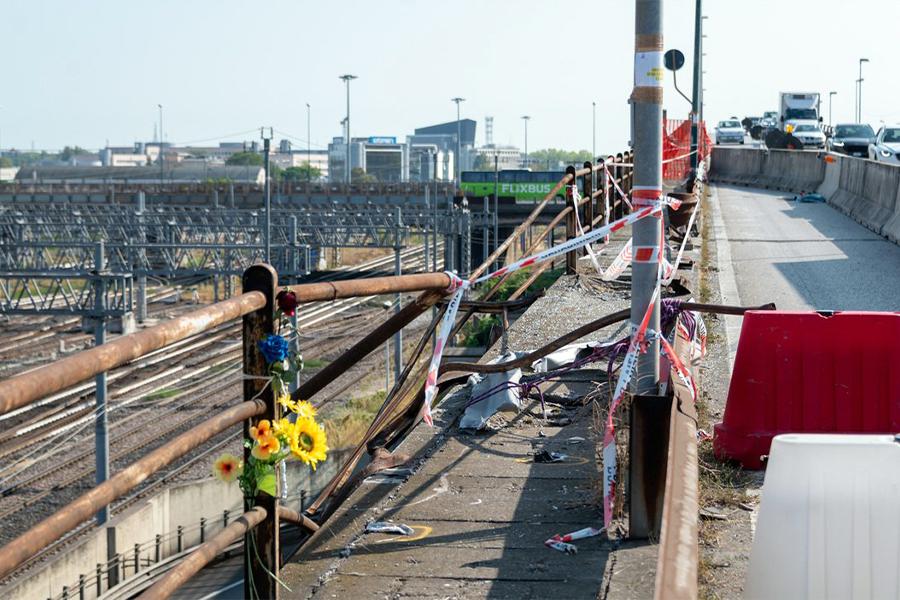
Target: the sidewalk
(480, 507)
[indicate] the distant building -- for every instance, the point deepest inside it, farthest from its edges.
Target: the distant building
(443, 136)
(509, 157)
(8, 173)
(380, 156)
(298, 157)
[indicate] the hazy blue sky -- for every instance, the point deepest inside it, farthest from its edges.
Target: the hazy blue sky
(88, 71)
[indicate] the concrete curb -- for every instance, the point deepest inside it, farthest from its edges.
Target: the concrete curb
(728, 289)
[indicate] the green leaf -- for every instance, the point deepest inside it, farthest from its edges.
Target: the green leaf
(266, 483)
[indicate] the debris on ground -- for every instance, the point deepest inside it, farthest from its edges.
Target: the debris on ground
(388, 527)
(570, 549)
(807, 198)
(545, 456)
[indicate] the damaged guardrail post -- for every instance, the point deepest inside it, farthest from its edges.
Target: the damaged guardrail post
(587, 191)
(261, 544)
(571, 256)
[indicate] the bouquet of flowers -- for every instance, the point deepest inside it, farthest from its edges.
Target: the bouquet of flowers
(298, 437)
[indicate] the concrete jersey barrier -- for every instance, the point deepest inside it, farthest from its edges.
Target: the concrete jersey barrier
(866, 191)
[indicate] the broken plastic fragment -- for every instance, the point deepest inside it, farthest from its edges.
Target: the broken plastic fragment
(388, 527)
(571, 549)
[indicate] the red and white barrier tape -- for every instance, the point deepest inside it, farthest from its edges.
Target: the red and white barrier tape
(567, 246)
(576, 198)
(618, 189)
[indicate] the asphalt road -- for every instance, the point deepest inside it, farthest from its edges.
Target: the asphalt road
(804, 256)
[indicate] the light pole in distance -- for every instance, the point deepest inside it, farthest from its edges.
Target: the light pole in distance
(347, 79)
(830, 96)
(458, 100)
(526, 118)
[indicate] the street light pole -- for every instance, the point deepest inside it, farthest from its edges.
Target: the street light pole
(647, 99)
(268, 192)
(695, 93)
(859, 83)
(458, 100)
(593, 131)
(161, 159)
(308, 147)
(526, 118)
(830, 96)
(347, 79)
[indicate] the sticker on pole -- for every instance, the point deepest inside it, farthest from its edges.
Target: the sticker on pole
(648, 69)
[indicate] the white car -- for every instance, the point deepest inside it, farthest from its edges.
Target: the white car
(809, 135)
(730, 131)
(886, 147)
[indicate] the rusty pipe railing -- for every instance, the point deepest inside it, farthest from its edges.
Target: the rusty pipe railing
(372, 286)
(20, 390)
(23, 389)
(82, 509)
(203, 555)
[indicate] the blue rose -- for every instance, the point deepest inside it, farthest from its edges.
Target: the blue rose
(274, 348)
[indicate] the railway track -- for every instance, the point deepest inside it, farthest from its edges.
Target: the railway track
(143, 391)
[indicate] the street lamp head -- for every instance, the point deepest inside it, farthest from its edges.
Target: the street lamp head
(457, 100)
(348, 77)
(862, 60)
(526, 117)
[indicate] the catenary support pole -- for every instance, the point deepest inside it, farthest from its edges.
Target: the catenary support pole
(101, 422)
(647, 185)
(695, 94)
(398, 270)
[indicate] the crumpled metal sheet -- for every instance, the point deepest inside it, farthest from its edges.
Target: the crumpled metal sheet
(565, 355)
(476, 415)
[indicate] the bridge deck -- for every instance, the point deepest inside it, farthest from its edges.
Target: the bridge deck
(481, 508)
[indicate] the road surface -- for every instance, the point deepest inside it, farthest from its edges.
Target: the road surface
(803, 256)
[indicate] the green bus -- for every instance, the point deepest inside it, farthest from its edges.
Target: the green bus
(519, 184)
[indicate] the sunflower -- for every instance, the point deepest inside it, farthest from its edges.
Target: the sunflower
(265, 447)
(227, 467)
(308, 442)
(262, 429)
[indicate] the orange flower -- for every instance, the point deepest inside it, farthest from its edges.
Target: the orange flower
(227, 467)
(265, 447)
(262, 429)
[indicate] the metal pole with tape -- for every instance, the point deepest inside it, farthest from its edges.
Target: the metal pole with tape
(646, 100)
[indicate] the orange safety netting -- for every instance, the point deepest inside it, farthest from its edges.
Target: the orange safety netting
(677, 147)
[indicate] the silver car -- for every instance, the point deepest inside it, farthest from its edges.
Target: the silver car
(730, 130)
(886, 147)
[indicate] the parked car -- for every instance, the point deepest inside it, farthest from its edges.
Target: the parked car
(809, 135)
(852, 139)
(730, 130)
(886, 146)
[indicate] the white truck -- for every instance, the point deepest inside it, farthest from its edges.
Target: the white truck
(799, 123)
(798, 108)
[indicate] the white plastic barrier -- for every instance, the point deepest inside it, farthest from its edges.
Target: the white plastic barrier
(829, 522)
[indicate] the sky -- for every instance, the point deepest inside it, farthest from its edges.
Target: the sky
(93, 71)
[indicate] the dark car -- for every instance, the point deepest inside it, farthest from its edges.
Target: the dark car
(852, 139)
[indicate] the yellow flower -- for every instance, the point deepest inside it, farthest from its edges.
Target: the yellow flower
(283, 429)
(302, 408)
(308, 442)
(227, 467)
(265, 447)
(285, 401)
(262, 429)
(305, 409)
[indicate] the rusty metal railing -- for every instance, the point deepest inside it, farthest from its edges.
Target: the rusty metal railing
(257, 307)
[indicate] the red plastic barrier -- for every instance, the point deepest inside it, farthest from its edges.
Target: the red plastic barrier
(803, 372)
